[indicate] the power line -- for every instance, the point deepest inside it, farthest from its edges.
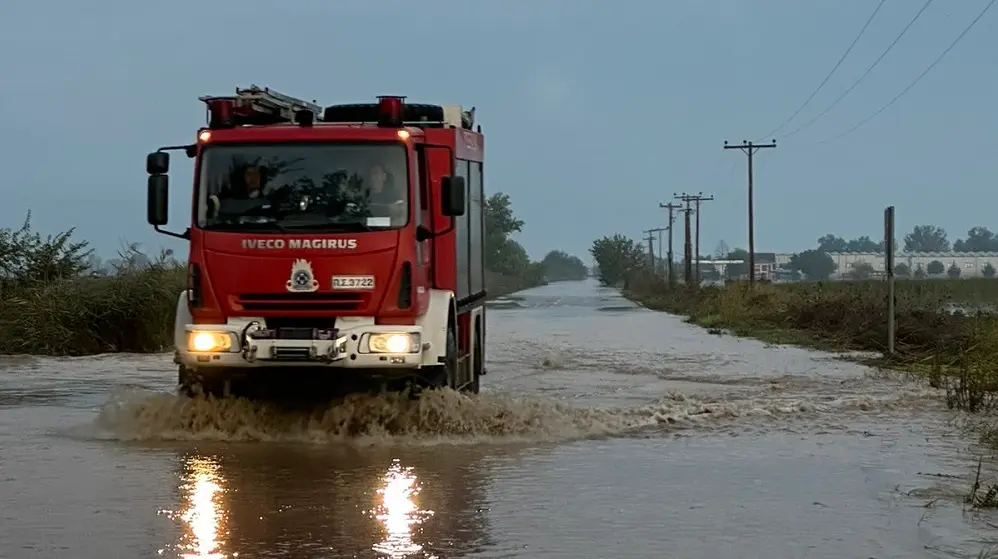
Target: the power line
(917, 79)
(862, 77)
(827, 77)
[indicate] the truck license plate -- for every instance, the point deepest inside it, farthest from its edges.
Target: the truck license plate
(353, 282)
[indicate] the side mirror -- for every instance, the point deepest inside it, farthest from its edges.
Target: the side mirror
(158, 202)
(158, 163)
(452, 196)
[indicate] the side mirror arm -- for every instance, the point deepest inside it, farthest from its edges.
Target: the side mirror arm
(186, 235)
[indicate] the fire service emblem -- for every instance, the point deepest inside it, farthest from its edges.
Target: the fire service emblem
(302, 278)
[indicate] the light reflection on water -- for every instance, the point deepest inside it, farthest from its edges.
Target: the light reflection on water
(204, 516)
(399, 512)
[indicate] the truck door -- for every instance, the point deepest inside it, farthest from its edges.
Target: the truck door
(442, 267)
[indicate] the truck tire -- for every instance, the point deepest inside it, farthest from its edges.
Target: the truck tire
(192, 383)
(368, 112)
(451, 363)
(475, 385)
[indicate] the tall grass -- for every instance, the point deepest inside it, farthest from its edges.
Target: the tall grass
(131, 311)
(957, 349)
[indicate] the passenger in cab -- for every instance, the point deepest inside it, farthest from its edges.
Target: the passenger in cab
(385, 198)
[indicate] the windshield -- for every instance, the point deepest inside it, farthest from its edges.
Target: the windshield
(303, 187)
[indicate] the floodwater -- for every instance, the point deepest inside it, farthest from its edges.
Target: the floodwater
(603, 430)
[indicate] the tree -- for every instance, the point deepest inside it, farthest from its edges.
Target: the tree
(979, 239)
(509, 258)
(919, 272)
(953, 271)
(988, 271)
(814, 263)
(902, 270)
(616, 257)
(561, 266)
(861, 270)
(832, 243)
(734, 271)
(502, 253)
(864, 244)
(935, 268)
(926, 238)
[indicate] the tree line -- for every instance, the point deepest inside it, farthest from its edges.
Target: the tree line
(617, 256)
(504, 255)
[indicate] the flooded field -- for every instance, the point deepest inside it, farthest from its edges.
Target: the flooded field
(603, 430)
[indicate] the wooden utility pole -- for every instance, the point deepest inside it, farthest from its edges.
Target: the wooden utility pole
(651, 247)
(696, 199)
(749, 149)
(672, 219)
(651, 250)
(889, 269)
(688, 242)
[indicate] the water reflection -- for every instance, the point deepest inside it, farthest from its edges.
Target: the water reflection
(273, 501)
(398, 512)
(204, 516)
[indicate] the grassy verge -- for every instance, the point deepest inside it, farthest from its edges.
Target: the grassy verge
(131, 311)
(956, 348)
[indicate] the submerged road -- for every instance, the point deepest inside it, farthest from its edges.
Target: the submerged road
(603, 430)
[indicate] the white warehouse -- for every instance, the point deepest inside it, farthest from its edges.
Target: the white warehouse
(971, 264)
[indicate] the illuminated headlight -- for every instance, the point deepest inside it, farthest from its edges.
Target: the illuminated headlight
(205, 341)
(393, 343)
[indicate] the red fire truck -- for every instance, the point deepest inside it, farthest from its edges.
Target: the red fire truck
(340, 240)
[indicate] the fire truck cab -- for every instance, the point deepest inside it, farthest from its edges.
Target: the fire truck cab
(340, 240)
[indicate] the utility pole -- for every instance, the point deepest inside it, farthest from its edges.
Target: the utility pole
(696, 199)
(651, 248)
(688, 244)
(672, 219)
(651, 251)
(749, 149)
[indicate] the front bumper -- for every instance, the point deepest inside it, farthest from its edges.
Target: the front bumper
(251, 345)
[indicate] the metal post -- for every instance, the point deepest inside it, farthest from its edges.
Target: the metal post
(889, 269)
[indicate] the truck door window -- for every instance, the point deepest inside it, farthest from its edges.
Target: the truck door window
(421, 177)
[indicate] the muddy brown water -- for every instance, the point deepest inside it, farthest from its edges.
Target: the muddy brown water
(603, 430)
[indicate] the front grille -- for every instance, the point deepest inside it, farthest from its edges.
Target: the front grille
(299, 301)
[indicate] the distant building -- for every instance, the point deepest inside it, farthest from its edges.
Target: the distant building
(971, 264)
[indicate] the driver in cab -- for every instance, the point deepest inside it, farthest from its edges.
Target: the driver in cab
(234, 199)
(253, 181)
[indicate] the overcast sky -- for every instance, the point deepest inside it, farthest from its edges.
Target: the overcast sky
(594, 111)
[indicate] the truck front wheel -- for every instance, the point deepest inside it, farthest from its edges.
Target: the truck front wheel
(192, 383)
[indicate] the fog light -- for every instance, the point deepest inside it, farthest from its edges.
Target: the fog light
(209, 341)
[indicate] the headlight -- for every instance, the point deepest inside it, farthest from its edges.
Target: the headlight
(209, 341)
(393, 343)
